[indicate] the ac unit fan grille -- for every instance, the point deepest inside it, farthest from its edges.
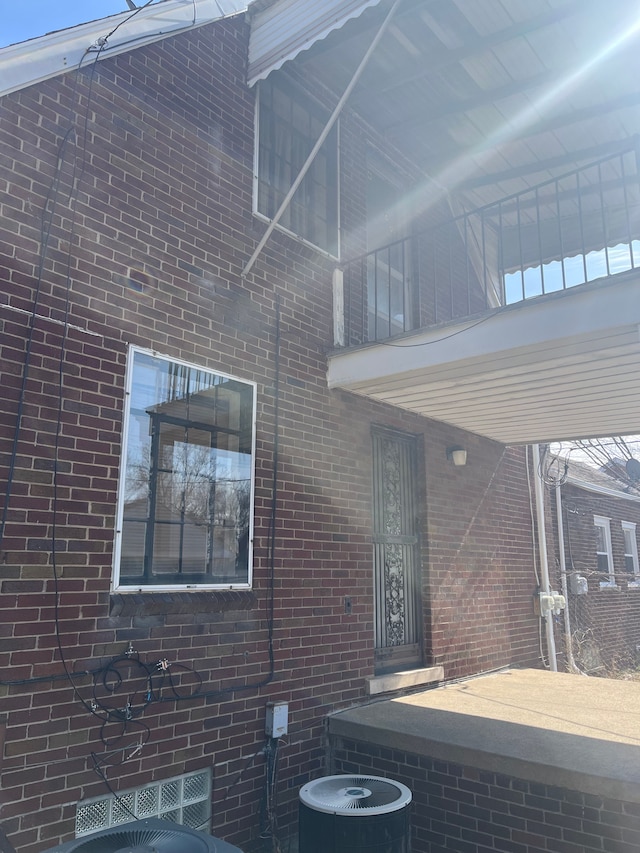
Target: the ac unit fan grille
(355, 794)
(143, 841)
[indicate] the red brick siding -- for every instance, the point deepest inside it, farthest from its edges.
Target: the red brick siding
(150, 252)
(469, 810)
(605, 623)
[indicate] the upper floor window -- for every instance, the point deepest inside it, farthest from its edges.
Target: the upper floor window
(630, 550)
(288, 126)
(186, 495)
(604, 552)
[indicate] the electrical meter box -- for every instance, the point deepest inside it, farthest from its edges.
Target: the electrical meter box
(277, 720)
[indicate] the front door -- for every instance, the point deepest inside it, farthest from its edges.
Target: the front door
(396, 551)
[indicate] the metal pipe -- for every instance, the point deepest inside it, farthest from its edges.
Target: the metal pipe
(542, 550)
(568, 642)
(320, 141)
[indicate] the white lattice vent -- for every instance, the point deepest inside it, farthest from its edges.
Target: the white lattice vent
(184, 799)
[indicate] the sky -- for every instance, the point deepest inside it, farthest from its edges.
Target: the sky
(25, 19)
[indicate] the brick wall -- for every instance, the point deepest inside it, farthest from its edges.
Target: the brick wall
(150, 226)
(467, 810)
(605, 622)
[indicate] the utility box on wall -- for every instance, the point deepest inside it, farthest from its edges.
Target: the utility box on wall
(277, 719)
(579, 584)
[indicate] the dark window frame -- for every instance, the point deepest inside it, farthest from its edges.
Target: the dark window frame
(185, 506)
(288, 124)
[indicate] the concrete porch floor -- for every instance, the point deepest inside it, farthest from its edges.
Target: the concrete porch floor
(553, 728)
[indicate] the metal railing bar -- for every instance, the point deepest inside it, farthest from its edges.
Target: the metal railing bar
(626, 210)
(575, 215)
(581, 221)
(604, 221)
(539, 233)
(452, 243)
(562, 256)
(467, 272)
(522, 267)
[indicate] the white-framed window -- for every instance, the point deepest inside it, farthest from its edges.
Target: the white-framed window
(185, 509)
(631, 565)
(183, 799)
(604, 551)
(288, 124)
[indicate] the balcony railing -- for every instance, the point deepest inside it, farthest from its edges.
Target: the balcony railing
(567, 231)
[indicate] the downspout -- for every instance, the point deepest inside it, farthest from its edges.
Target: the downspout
(326, 131)
(547, 614)
(568, 642)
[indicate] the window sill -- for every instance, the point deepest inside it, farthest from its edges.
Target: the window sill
(633, 584)
(609, 585)
(161, 603)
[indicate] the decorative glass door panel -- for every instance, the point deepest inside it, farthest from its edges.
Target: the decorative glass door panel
(396, 552)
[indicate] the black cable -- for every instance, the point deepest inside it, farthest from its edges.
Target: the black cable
(39, 679)
(165, 672)
(269, 820)
(274, 480)
(103, 41)
(77, 176)
(48, 209)
(125, 717)
(50, 205)
(225, 691)
(248, 763)
(478, 322)
(121, 802)
(546, 468)
(50, 202)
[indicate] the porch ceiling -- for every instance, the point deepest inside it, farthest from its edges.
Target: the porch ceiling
(555, 368)
(486, 97)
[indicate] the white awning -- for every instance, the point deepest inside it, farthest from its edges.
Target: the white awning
(282, 29)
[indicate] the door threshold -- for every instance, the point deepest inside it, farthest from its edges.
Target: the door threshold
(402, 680)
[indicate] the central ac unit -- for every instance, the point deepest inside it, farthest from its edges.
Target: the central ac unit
(146, 836)
(354, 814)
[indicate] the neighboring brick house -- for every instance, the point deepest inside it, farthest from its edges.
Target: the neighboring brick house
(195, 522)
(601, 514)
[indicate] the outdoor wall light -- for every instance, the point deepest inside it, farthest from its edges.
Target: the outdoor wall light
(457, 455)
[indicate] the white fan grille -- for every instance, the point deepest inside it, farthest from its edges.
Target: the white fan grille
(351, 795)
(142, 837)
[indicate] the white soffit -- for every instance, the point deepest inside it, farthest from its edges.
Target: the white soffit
(560, 367)
(38, 59)
(286, 27)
